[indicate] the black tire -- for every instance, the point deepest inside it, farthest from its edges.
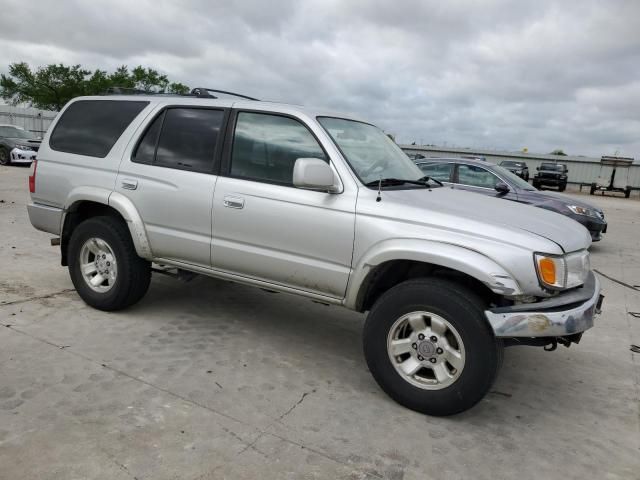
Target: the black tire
(134, 273)
(562, 187)
(536, 184)
(592, 190)
(5, 158)
(465, 311)
(627, 192)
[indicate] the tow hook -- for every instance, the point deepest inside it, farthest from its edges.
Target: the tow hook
(550, 347)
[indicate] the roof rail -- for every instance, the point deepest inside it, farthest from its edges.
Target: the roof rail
(203, 92)
(199, 92)
(125, 91)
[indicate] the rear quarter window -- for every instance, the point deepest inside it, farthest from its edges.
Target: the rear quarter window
(92, 127)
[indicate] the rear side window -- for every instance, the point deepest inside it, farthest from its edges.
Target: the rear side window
(183, 138)
(92, 127)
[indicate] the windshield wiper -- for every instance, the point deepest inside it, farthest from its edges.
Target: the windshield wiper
(427, 178)
(389, 182)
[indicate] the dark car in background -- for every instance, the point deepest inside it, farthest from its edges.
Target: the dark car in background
(17, 145)
(496, 181)
(517, 168)
(551, 175)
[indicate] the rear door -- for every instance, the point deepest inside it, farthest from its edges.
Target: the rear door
(266, 229)
(168, 174)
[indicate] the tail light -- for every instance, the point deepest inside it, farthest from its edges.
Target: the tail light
(32, 177)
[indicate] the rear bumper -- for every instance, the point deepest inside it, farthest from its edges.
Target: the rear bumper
(566, 314)
(44, 217)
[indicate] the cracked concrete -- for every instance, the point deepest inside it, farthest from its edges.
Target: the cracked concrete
(209, 380)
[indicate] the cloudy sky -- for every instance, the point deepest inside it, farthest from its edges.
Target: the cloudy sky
(485, 74)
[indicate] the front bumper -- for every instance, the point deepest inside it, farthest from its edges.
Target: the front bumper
(596, 226)
(550, 181)
(566, 314)
(17, 155)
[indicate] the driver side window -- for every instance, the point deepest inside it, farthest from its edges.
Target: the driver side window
(475, 176)
(266, 147)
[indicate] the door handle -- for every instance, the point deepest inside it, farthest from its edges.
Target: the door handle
(129, 184)
(233, 202)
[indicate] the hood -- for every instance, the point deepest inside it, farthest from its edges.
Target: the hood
(470, 214)
(24, 141)
(554, 200)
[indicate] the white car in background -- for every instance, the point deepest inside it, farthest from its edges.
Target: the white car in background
(17, 145)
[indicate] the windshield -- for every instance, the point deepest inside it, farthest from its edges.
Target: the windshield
(370, 152)
(552, 166)
(13, 132)
(512, 178)
(512, 164)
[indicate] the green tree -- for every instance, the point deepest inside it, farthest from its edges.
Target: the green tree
(52, 86)
(558, 151)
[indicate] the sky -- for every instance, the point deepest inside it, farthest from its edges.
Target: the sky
(482, 74)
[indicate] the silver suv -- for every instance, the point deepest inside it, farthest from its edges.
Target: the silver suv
(321, 205)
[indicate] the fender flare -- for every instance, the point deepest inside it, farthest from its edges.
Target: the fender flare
(125, 207)
(122, 205)
(455, 257)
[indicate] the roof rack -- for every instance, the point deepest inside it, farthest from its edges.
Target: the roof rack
(200, 92)
(203, 92)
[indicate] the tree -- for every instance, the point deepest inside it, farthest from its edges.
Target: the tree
(558, 151)
(50, 87)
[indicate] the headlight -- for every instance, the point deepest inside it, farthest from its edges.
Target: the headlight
(583, 211)
(559, 272)
(24, 147)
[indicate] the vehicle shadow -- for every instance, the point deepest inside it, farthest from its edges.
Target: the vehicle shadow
(324, 342)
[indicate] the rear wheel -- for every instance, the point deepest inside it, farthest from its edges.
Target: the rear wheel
(627, 192)
(5, 159)
(592, 190)
(429, 347)
(562, 187)
(536, 184)
(104, 266)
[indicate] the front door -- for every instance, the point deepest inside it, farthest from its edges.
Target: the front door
(169, 178)
(480, 180)
(264, 228)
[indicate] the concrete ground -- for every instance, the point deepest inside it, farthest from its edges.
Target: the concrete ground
(210, 380)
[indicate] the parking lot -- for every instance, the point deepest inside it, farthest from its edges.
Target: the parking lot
(208, 380)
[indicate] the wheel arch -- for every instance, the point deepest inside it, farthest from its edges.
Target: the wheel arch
(96, 202)
(393, 262)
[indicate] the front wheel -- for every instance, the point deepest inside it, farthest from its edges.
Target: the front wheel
(5, 159)
(104, 266)
(430, 348)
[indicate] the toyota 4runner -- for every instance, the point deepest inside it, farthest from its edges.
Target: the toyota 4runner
(318, 204)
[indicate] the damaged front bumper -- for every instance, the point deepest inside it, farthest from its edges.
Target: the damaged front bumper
(565, 315)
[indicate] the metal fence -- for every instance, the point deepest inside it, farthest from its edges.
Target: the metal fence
(32, 119)
(581, 169)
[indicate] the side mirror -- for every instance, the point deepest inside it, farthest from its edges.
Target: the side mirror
(566, 170)
(538, 168)
(502, 188)
(314, 174)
